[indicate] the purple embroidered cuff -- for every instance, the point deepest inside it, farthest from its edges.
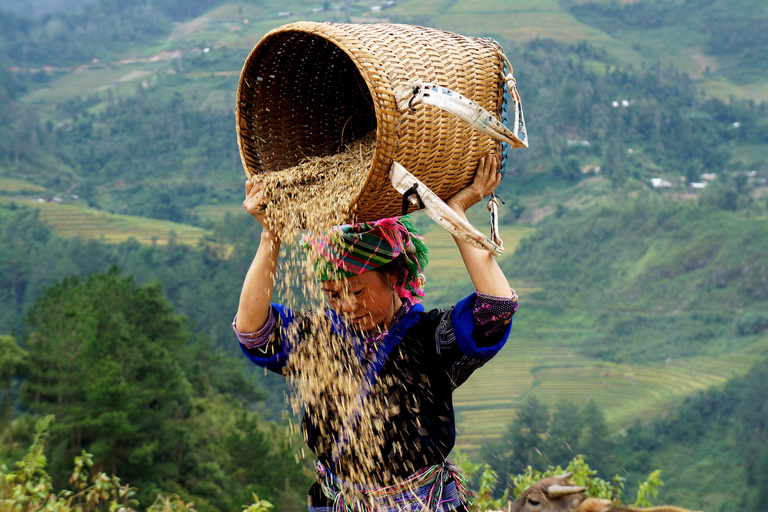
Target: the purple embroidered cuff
(258, 339)
(493, 313)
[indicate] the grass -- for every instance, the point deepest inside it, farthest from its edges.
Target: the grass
(87, 81)
(71, 220)
(724, 90)
(753, 155)
(217, 212)
(14, 186)
(520, 27)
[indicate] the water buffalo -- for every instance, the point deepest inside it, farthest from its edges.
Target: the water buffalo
(558, 494)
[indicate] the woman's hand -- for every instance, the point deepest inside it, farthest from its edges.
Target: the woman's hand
(256, 201)
(485, 273)
(254, 308)
(487, 178)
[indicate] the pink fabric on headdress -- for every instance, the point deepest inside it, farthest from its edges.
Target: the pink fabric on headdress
(352, 249)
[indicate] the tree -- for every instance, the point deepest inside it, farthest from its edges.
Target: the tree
(565, 428)
(167, 412)
(13, 360)
(595, 441)
(527, 436)
(102, 359)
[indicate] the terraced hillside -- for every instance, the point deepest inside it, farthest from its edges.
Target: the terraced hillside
(534, 362)
(239, 26)
(71, 220)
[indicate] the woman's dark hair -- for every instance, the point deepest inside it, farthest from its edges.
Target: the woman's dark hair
(396, 267)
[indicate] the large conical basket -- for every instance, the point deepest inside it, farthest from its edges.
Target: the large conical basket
(308, 88)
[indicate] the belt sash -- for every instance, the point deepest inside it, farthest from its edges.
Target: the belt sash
(433, 488)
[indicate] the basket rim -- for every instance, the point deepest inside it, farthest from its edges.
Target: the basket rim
(332, 33)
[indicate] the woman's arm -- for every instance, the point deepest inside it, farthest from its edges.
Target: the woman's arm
(485, 273)
(256, 295)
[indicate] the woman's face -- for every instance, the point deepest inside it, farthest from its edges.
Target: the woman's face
(365, 301)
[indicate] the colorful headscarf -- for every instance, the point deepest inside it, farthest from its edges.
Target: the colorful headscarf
(351, 249)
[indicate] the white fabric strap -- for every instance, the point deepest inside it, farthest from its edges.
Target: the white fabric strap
(477, 117)
(437, 210)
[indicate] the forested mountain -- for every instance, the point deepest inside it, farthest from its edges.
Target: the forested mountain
(126, 107)
(164, 410)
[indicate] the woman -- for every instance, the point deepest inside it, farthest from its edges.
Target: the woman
(387, 449)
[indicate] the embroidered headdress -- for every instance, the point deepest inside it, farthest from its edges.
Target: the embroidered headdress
(351, 249)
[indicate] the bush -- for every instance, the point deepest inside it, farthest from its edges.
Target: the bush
(751, 322)
(29, 488)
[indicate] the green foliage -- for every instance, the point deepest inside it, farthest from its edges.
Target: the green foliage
(198, 282)
(486, 481)
(13, 362)
(537, 438)
(736, 32)
(131, 402)
(170, 503)
(118, 368)
(751, 322)
(725, 427)
(258, 505)
(29, 488)
(659, 275)
(649, 489)
(99, 27)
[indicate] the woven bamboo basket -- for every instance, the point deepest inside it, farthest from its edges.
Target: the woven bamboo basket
(309, 88)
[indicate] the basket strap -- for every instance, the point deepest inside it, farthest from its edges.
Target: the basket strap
(477, 117)
(518, 126)
(493, 209)
(405, 182)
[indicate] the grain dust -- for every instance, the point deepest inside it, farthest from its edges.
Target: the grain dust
(324, 373)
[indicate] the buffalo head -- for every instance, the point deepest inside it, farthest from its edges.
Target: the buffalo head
(557, 494)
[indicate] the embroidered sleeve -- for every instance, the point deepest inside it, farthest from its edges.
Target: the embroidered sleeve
(492, 314)
(257, 339)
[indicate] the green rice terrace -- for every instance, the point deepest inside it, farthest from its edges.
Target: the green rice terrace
(75, 220)
(534, 361)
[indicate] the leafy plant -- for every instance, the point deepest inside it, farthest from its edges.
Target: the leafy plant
(751, 322)
(29, 488)
(171, 503)
(258, 505)
(649, 488)
(487, 480)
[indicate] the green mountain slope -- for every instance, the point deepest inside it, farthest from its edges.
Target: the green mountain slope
(642, 300)
(662, 278)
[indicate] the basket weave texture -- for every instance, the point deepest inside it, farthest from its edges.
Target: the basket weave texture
(308, 88)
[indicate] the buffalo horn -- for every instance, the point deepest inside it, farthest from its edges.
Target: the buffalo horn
(565, 475)
(555, 491)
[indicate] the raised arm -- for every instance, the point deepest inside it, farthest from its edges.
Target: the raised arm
(256, 295)
(485, 273)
